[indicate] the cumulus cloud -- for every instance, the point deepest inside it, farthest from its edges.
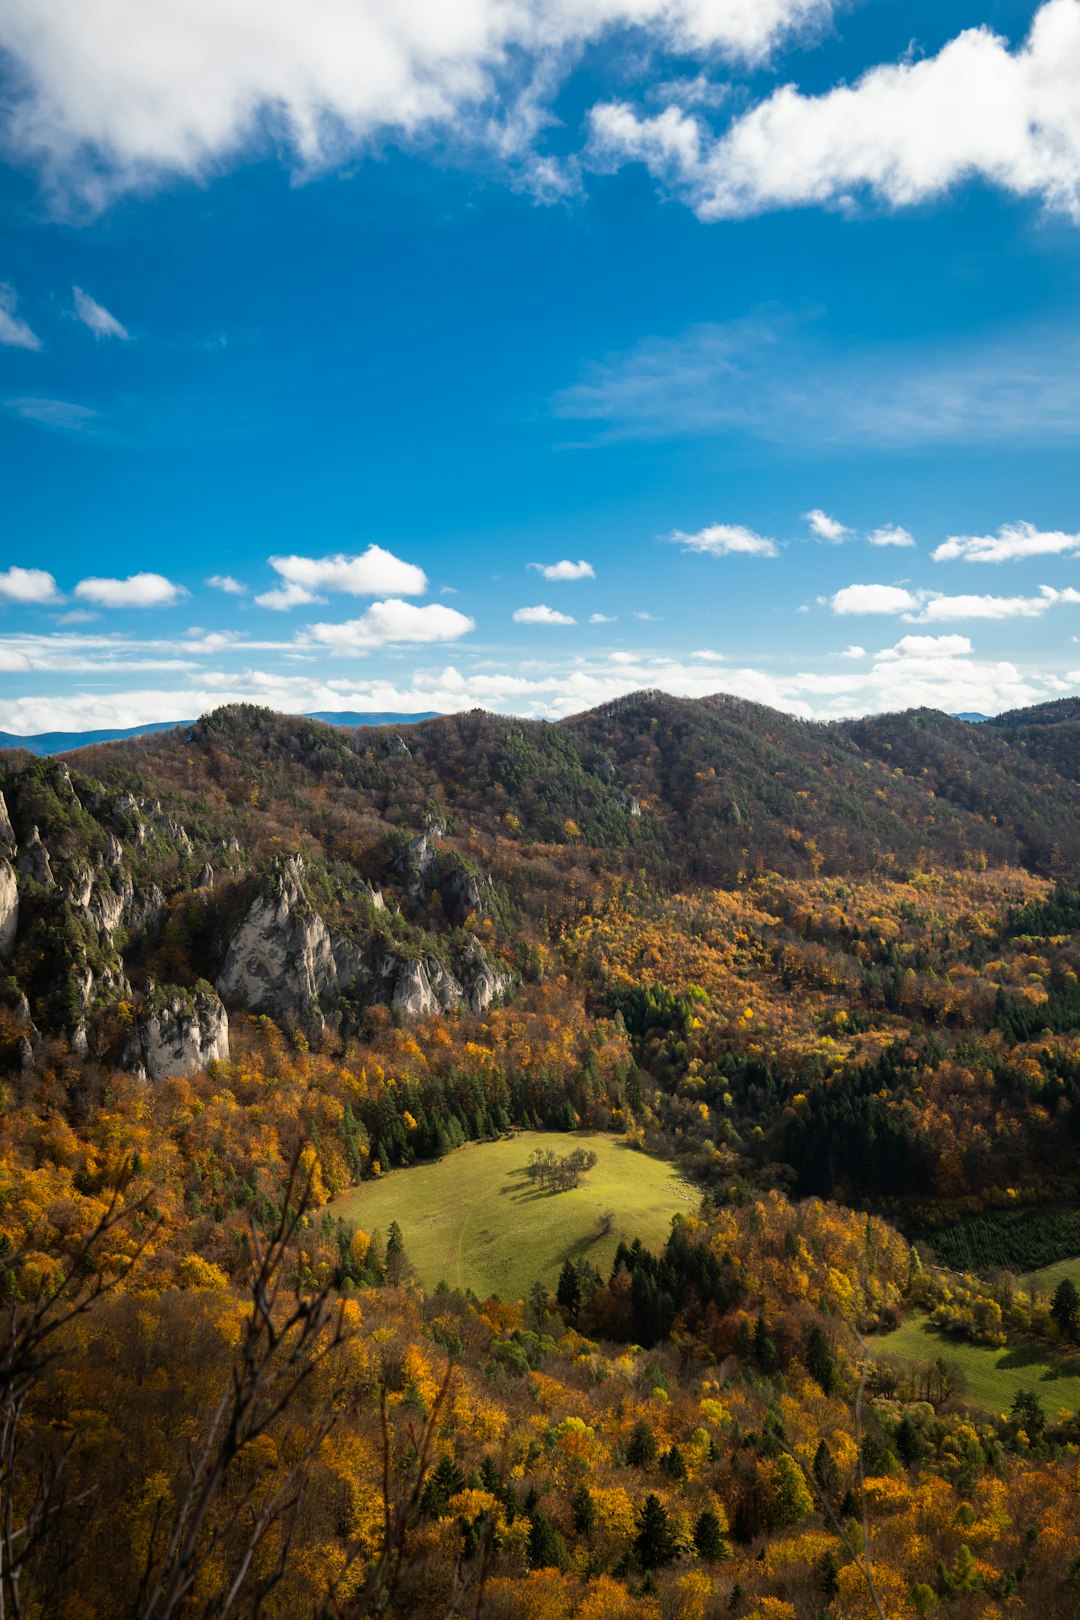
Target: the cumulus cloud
(565, 570)
(852, 651)
(138, 591)
(995, 607)
(391, 622)
(602, 618)
(725, 540)
(96, 317)
(874, 599)
(890, 534)
(115, 94)
(902, 134)
(1012, 543)
(542, 615)
(28, 585)
(929, 647)
(824, 527)
(372, 573)
(559, 686)
(226, 583)
(14, 331)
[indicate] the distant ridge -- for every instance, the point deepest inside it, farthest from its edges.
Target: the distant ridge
(64, 742)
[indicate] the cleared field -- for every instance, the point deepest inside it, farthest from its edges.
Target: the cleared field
(992, 1377)
(1050, 1276)
(473, 1220)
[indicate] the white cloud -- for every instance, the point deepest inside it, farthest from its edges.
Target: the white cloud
(28, 585)
(115, 94)
(874, 599)
(558, 686)
(565, 570)
(77, 616)
(724, 540)
(776, 378)
(603, 618)
(929, 646)
(138, 590)
(904, 133)
(226, 583)
(97, 317)
(890, 534)
(541, 615)
(373, 573)
(60, 415)
(13, 330)
(938, 607)
(1013, 542)
(852, 652)
(389, 622)
(825, 527)
(286, 597)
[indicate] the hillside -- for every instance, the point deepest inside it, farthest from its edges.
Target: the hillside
(813, 987)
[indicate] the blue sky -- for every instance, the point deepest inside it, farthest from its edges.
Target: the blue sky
(759, 316)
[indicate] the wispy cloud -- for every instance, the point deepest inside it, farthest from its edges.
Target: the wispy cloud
(226, 583)
(773, 378)
(14, 331)
(58, 415)
(96, 317)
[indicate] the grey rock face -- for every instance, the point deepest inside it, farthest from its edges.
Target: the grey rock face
(280, 961)
(205, 879)
(9, 908)
(482, 982)
(181, 1036)
(33, 862)
(413, 995)
(7, 831)
(421, 870)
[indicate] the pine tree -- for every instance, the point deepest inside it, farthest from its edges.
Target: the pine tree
(654, 1543)
(584, 1510)
(819, 1360)
(768, 1357)
(397, 1262)
(547, 1549)
(642, 1448)
(568, 1292)
(1065, 1308)
(709, 1540)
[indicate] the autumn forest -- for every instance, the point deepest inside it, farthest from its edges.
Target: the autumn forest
(829, 973)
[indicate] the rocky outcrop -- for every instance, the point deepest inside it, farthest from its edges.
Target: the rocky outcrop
(279, 961)
(7, 831)
(9, 908)
(482, 982)
(180, 1034)
(33, 864)
(421, 870)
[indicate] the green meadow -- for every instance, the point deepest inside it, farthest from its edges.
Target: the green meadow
(473, 1219)
(992, 1377)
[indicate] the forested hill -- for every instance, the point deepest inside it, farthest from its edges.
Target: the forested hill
(691, 790)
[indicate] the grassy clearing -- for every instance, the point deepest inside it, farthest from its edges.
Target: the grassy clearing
(474, 1221)
(992, 1377)
(1049, 1277)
